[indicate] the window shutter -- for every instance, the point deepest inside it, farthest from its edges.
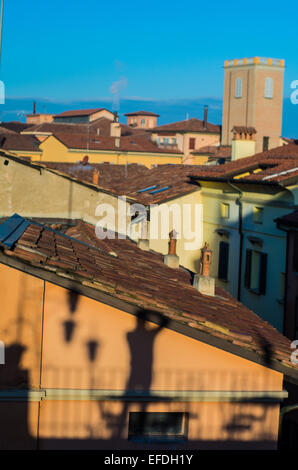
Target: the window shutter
(263, 273)
(223, 261)
(248, 269)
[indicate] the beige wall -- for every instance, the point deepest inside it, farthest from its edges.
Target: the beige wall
(41, 193)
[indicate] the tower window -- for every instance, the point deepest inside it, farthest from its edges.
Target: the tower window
(265, 143)
(238, 90)
(269, 87)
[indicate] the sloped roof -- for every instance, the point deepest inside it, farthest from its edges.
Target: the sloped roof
(15, 126)
(190, 125)
(278, 166)
(100, 126)
(132, 143)
(81, 112)
(142, 113)
(118, 269)
(13, 141)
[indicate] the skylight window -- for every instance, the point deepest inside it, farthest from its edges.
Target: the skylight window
(159, 190)
(147, 189)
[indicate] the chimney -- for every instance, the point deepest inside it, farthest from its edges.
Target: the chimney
(205, 116)
(34, 107)
(115, 129)
(243, 143)
(202, 281)
(117, 141)
(95, 176)
(171, 259)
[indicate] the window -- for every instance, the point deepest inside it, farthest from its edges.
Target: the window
(265, 143)
(258, 213)
(157, 426)
(225, 210)
(238, 90)
(143, 122)
(192, 142)
(256, 271)
(269, 87)
(166, 140)
(174, 140)
(223, 261)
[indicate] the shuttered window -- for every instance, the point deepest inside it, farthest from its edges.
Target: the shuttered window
(256, 271)
(192, 142)
(269, 87)
(223, 261)
(238, 90)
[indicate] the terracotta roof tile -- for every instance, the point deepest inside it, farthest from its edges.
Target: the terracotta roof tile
(14, 141)
(80, 112)
(190, 125)
(134, 143)
(142, 113)
(119, 268)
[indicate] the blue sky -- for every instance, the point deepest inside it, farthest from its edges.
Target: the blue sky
(75, 50)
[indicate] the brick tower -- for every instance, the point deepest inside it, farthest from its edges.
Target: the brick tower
(253, 94)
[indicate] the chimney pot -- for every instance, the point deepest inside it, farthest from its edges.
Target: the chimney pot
(202, 281)
(95, 176)
(205, 115)
(171, 259)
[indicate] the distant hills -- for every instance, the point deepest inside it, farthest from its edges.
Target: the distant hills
(169, 110)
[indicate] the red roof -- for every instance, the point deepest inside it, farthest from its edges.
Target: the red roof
(275, 166)
(134, 143)
(118, 269)
(80, 112)
(142, 113)
(190, 125)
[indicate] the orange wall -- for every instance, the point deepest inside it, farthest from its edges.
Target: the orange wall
(129, 356)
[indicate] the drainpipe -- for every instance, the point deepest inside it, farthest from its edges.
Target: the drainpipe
(240, 237)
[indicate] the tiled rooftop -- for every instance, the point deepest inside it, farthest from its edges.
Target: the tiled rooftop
(190, 125)
(275, 166)
(134, 143)
(13, 141)
(80, 112)
(118, 268)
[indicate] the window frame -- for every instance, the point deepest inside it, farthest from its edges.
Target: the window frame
(269, 88)
(238, 87)
(137, 435)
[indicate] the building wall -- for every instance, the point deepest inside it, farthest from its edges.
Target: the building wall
(41, 193)
(253, 109)
(182, 139)
(55, 151)
(273, 243)
(145, 122)
(128, 355)
(38, 118)
(191, 209)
